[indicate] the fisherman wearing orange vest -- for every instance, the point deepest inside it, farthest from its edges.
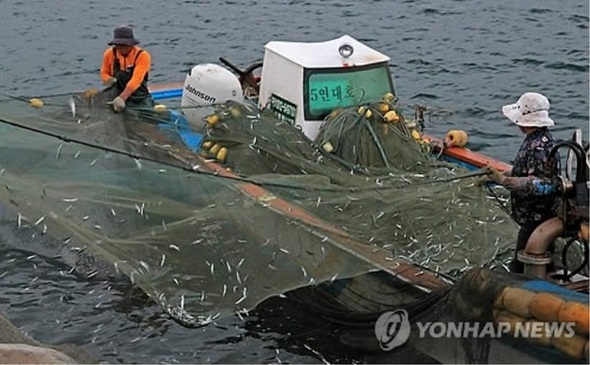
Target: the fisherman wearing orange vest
(125, 67)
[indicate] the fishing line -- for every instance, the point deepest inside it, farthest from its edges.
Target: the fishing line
(27, 100)
(195, 168)
(191, 169)
(480, 172)
(498, 200)
(113, 150)
(19, 98)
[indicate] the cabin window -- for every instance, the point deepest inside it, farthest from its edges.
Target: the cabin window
(327, 89)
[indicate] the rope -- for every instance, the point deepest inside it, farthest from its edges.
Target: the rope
(148, 114)
(191, 169)
(376, 140)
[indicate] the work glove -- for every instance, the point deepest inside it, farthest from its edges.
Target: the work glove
(110, 82)
(118, 104)
(491, 175)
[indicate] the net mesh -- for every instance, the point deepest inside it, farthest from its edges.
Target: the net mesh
(206, 234)
(482, 318)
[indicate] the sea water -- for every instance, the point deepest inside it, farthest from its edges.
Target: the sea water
(462, 59)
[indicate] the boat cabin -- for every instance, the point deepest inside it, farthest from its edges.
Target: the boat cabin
(303, 82)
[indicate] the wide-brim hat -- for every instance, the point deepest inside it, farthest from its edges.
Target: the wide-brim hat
(531, 110)
(123, 36)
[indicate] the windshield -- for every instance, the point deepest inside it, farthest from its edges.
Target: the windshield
(327, 89)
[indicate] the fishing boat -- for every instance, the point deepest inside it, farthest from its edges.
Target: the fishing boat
(309, 218)
(323, 71)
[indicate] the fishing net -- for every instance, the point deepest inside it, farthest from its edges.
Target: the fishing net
(482, 318)
(211, 218)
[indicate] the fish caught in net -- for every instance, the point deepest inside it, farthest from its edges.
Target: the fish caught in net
(207, 234)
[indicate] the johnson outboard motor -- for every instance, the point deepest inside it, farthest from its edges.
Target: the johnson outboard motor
(208, 84)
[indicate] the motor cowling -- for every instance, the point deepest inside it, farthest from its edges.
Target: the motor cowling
(208, 84)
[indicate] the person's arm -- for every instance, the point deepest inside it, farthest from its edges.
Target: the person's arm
(533, 185)
(537, 182)
(106, 69)
(142, 66)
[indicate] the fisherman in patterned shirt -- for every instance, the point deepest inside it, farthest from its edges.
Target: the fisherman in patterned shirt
(533, 191)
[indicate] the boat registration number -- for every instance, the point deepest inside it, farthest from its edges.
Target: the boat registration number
(283, 109)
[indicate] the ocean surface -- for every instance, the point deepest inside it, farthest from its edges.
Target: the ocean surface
(462, 59)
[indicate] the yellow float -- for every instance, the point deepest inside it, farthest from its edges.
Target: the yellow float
(534, 312)
(416, 135)
(456, 138)
(383, 107)
(36, 103)
(391, 116)
(328, 147)
(388, 97)
(160, 108)
(222, 154)
(215, 149)
(212, 120)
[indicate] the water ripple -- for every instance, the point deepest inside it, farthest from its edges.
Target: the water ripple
(463, 59)
(568, 66)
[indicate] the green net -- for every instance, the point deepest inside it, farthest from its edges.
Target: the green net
(209, 233)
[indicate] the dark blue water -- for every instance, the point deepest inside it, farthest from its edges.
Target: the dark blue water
(463, 59)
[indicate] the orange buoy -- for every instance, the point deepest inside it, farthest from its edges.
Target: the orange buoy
(517, 300)
(571, 346)
(577, 313)
(545, 307)
(509, 319)
(542, 337)
(499, 302)
(456, 138)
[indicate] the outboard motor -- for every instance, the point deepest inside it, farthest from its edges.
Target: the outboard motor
(573, 216)
(208, 84)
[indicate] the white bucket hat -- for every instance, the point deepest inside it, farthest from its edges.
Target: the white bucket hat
(531, 110)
